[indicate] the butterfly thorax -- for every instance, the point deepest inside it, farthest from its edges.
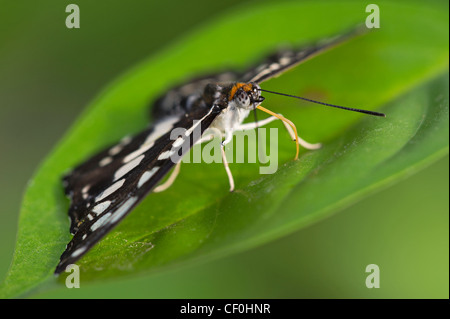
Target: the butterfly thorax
(236, 100)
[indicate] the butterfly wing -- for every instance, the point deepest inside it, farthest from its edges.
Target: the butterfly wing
(92, 177)
(105, 188)
(182, 99)
(284, 60)
(103, 191)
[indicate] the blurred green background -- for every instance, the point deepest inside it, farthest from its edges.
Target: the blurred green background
(49, 73)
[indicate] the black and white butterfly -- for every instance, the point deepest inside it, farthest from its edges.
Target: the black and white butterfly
(105, 188)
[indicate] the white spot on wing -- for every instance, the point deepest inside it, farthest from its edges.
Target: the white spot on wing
(105, 161)
(197, 123)
(85, 189)
(78, 252)
(128, 167)
(147, 175)
(122, 210)
(100, 208)
(111, 189)
(160, 129)
(115, 150)
(144, 147)
(262, 73)
(285, 60)
(165, 155)
(274, 66)
(102, 220)
(178, 142)
(125, 140)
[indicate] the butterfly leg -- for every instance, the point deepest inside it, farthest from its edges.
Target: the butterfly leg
(205, 138)
(176, 170)
(209, 137)
(227, 168)
(170, 180)
(255, 125)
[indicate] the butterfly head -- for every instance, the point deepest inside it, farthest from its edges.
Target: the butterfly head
(246, 95)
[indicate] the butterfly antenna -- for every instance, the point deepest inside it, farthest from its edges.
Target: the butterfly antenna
(326, 104)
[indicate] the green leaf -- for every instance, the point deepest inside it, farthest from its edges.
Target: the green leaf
(197, 218)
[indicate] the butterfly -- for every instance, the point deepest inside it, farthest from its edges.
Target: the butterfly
(106, 187)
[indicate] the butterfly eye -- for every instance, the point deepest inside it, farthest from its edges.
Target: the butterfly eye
(243, 98)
